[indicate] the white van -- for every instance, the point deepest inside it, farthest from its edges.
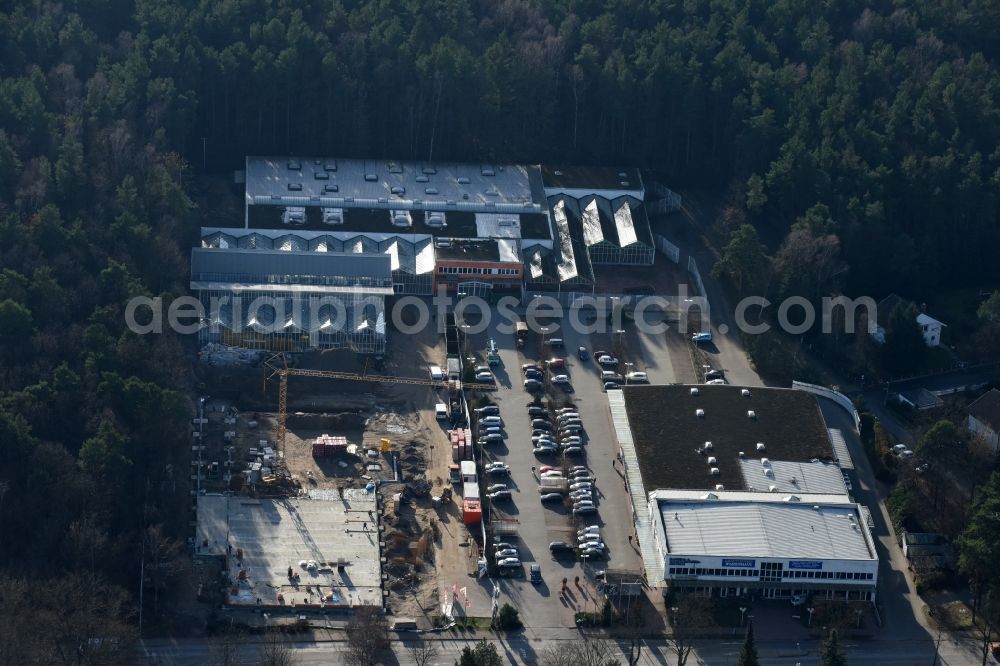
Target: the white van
(441, 411)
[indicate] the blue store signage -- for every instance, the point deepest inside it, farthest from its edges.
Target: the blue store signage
(813, 565)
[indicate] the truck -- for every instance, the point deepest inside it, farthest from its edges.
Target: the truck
(521, 331)
(493, 353)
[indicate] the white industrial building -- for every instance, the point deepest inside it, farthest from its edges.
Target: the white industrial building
(771, 545)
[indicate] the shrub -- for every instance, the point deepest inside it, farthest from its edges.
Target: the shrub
(509, 618)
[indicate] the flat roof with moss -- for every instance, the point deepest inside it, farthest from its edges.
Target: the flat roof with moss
(670, 436)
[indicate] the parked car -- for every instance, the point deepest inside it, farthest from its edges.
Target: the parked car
(536, 574)
(611, 386)
(611, 377)
(530, 366)
(571, 440)
(491, 439)
(579, 470)
(491, 420)
(590, 529)
(502, 545)
(544, 450)
(496, 486)
(500, 495)
(582, 353)
(497, 468)
(488, 410)
(607, 360)
(557, 546)
(507, 552)
(714, 374)
(556, 363)
(573, 450)
(581, 495)
(563, 410)
(534, 374)
(537, 411)
(571, 423)
(532, 385)
(584, 510)
(591, 554)
(563, 416)
(716, 382)
(583, 478)
(509, 563)
(582, 485)
(541, 423)
(548, 468)
(637, 377)
(484, 377)
(701, 337)
(550, 497)
(560, 379)
(482, 368)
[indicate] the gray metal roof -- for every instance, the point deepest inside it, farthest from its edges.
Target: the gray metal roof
(793, 477)
(392, 184)
(274, 267)
(566, 265)
(740, 524)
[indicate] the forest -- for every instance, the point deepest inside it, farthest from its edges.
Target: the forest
(862, 134)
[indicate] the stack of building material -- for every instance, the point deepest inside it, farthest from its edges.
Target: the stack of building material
(461, 444)
(326, 446)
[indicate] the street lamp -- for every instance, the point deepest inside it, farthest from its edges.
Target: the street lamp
(810, 611)
(628, 370)
(743, 610)
(860, 611)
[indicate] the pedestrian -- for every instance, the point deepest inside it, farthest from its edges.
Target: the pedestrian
(630, 539)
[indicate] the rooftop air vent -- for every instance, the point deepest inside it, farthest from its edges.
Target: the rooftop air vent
(330, 165)
(772, 489)
(742, 455)
(398, 190)
(792, 498)
(622, 174)
(294, 165)
(421, 178)
(765, 462)
(751, 414)
(719, 486)
(768, 472)
(815, 507)
(488, 171)
(431, 190)
(712, 460)
(700, 413)
(708, 446)
(625, 183)
(321, 175)
(709, 496)
(331, 187)
(557, 172)
(429, 170)
(714, 471)
(463, 180)
(694, 390)
(761, 447)
(295, 187)
(745, 393)
(370, 177)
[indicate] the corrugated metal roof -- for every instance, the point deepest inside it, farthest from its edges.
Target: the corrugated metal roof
(590, 219)
(508, 250)
(393, 184)
(793, 477)
(266, 263)
(498, 225)
(763, 525)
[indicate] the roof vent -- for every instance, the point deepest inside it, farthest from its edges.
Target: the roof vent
(421, 178)
(815, 507)
(294, 165)
(761, 447)
(742, 455)
(700, 413)
(331, 165)
(295, 187)
(694, 390)
(792, 498)
(331, 187)
(765, 462)
(719, 486)
(768, 472)
(431, 190)
(625, 183)
(772, 489)
(622, 174)
(321, 175)
(751, 414)
(745, 393)
(714, 471)
(398, 190)
(712, 460)
(463, 180)
(710, 496)
(708, 446)
(370, 177)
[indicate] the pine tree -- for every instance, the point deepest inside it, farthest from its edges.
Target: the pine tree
(748, 653)
(831, 654)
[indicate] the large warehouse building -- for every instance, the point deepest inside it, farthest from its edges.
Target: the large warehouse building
(737, 491)
(473, 229)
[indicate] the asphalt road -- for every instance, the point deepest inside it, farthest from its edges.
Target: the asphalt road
(527, 650)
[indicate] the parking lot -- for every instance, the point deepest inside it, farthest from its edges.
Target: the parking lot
(540, 524)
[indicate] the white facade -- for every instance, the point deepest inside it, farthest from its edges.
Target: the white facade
(763, 544)
(930, 328)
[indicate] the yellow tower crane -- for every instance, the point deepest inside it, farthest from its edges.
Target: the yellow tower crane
(277, 366)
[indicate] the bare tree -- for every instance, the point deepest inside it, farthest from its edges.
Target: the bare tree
(586, 652)
(225, 649)
(162, 560)
(633, 633)
(689, 615)
(275, 651)
(423, 652)
(367, 636)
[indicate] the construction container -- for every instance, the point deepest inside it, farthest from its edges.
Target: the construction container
(470, 490)
(454, 473)
(472, 511)
(455, 453)
(468, 471)
(326, 446)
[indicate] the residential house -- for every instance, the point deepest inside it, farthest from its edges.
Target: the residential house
(929, 326)
(984, 418)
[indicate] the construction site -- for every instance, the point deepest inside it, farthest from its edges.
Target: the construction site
(342, 495)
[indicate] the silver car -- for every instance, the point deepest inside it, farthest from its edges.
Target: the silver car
(506, 552)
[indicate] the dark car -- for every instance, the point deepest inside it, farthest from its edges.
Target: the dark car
(561, 546)
(714, 374)
(582, 352)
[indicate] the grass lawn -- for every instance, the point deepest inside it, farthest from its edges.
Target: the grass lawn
(952, 616)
